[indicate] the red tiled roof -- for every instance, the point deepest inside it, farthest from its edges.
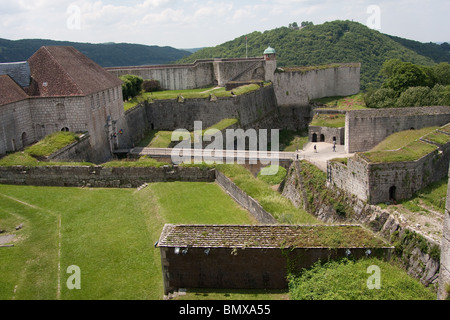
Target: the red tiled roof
(10, 91)
(64, 71)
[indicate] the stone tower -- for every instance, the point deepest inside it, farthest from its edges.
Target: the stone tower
(270, 59)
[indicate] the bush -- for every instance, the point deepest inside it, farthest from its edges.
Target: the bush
(415, 97)
(347, 280)
(131, 87)
(382, 98)
(151, 86)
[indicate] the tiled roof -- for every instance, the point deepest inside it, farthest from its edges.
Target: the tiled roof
(10, 91)
(64, 71)
(269, 236)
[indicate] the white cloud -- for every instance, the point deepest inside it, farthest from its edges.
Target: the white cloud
(192, 23)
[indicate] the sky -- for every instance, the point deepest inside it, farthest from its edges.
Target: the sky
(196, 23)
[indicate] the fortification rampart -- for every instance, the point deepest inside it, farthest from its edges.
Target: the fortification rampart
(364, 129)
(202, 73)
(298, 88)
(100, 177)
(385, 182)
(248, 109)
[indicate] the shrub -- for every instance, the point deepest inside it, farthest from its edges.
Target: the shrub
(151, 85)
(382, 98)
(132, 86)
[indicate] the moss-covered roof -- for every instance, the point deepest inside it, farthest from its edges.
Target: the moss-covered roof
(269, 236)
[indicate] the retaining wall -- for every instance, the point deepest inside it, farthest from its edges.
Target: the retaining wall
(299, 88)
(244, 199)
(100, 177)
(365, 129)
(247, 108)
(373, 182)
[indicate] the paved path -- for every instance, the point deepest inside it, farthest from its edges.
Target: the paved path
(324, 153)
(247, 155)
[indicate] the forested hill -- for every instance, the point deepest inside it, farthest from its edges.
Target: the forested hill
(106, 55)
(337, 41)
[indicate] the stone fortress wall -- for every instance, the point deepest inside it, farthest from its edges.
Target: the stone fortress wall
(365, 129)
(202, 73)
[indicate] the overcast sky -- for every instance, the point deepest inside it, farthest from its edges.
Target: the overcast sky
(196, 23)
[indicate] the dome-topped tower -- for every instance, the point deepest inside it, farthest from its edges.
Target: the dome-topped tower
(270, 57)
(270, 54)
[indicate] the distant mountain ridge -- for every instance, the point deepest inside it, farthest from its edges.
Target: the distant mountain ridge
(331, 42)
(105, 54)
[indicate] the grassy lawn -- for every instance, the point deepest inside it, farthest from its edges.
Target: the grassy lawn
(411, 152)
(280, 208)
(329, 120)
(189, 94)
(44, 148)
(355, 102)
(163, 139)
(108, 233)
(291, 140)
(406, 145)
(401, 139)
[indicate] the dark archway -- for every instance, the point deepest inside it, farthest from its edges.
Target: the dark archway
(393, 193)
(314, 137)
(24, 139)
(65, 129)
(322, 138)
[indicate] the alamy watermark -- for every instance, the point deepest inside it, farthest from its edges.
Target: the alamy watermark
(374, 281)
(249, 146)
(74, 281)
(374, 20)
(73, 21)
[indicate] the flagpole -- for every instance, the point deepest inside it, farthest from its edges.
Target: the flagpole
(246, 48)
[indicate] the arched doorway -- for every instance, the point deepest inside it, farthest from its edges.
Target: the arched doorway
(322, 138)
(65, 129)
(314, 137)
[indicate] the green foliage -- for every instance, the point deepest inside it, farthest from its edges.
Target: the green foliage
(151, 85)
(403, 75)
(280, 207)
(347, 280)
(409, 85)
(267, 175)
(106, 55)
(331, 42)
(381, 98)
(329, 120)
(51, 144)
(131, 87)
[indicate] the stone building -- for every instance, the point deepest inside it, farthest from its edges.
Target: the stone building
(255, 257)
(59, 89)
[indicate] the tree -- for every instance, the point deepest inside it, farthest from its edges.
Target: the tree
(381, 98)
(131, 87)
(402, 75)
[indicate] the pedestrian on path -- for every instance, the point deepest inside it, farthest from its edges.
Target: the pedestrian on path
(315, 148)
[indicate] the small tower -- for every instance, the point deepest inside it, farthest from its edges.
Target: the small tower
(270, 59)
(270, 54)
